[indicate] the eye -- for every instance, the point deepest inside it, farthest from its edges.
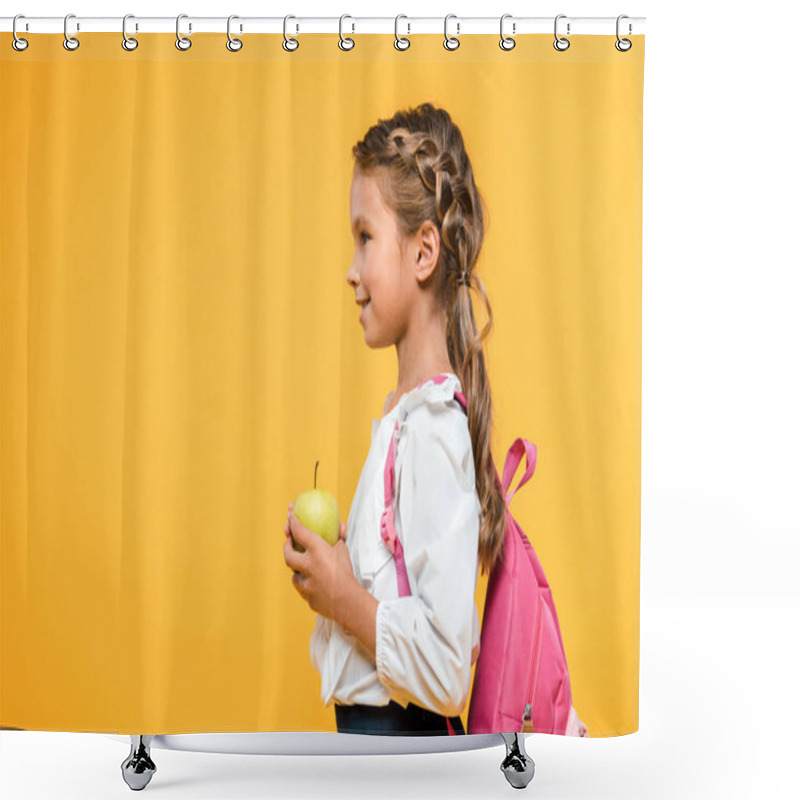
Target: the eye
(362, 234)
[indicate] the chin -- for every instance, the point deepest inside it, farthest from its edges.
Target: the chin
(374, 344)
(371, 344)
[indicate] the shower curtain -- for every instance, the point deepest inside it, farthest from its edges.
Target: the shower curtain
(182, 356)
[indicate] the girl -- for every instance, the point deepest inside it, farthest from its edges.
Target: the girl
(401, 665)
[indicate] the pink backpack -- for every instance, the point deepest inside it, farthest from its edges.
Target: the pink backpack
(521, 681)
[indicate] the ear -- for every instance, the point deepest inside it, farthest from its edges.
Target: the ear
(426, 246)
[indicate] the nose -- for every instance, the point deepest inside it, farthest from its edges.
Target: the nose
(352, 276)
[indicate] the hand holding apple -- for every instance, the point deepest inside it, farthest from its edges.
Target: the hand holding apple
(322, 574)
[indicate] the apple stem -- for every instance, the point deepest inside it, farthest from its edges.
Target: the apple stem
(315, 474)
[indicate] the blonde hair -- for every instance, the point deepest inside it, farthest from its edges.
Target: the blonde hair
(423, 172)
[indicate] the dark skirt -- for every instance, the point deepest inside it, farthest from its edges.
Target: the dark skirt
(394, 720)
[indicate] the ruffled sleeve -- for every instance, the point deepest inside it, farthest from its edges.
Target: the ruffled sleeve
(424, 642)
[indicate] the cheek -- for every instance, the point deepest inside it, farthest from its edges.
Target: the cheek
(376, 278)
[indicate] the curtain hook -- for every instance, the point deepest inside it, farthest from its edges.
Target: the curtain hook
(400, 42)
(560, 43)
(18, 42)
(506, 42)
(618, 44)
(451, 42)
(70, 42)
(128, 42)
(289, 43)
(182, 42)
(345, 42)
(233, 44)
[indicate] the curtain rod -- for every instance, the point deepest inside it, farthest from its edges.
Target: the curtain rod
(407, 26)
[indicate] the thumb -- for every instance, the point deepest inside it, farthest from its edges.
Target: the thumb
(301, 534)
(343, 530)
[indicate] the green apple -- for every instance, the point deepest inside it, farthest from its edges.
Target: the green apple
(318, 511)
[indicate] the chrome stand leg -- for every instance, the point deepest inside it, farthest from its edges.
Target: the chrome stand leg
(138, 768)
(517, 766)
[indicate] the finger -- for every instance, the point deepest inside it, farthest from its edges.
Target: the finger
(299, 582)
(297, 561)
(342, 531)
(302, 535)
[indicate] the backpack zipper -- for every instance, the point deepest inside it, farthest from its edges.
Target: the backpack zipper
(527, 715)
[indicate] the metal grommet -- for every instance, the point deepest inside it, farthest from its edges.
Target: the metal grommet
(451, 42)
(618, 44)
(233, 44)
(400, 42)
(182, 42)
(345, 42)
(128, 42)
(289, 43)
(506, 42)
(560, 43)
(70, 42)
(18, 43)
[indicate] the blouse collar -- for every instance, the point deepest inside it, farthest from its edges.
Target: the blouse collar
(432, 389)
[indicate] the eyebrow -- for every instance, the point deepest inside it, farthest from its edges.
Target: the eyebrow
(359, 220)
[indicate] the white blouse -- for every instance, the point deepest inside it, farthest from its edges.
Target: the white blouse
(424, 642)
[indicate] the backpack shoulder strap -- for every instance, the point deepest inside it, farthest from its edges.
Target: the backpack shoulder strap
(513, 457)
(388, 531)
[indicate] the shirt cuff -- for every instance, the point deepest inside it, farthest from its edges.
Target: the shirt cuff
(385, 641)
(383, 645)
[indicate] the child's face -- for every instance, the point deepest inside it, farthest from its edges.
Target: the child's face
(385, 267)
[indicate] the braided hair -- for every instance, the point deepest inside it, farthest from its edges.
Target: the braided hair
(421, 166)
